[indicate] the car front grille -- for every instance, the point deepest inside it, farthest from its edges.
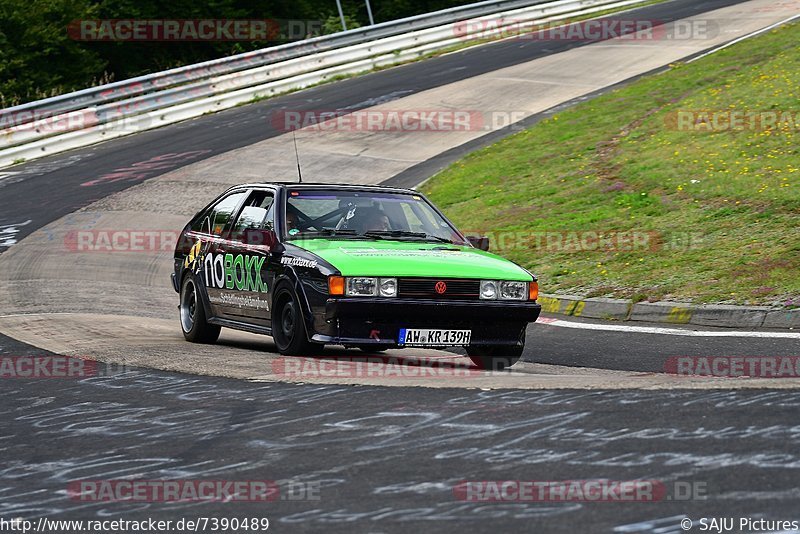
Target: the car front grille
(426, 288)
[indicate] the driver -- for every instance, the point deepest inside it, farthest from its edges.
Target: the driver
(376, 220)
(291, 221)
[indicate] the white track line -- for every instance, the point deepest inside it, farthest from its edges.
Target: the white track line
(587, 326)
(665, 331)
(742, 38)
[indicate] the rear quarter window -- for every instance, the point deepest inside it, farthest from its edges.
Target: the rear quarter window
(215, 219)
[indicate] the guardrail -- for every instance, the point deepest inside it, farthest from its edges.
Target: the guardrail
(92, 115)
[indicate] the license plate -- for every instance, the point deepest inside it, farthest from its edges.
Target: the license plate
(422, 337)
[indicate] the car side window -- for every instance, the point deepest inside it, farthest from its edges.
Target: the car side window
(256, 213)
(203, 222)
(221, 213)
(269, 221)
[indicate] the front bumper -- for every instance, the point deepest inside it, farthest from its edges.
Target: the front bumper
(366, 321)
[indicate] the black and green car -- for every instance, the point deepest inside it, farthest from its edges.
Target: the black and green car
(361, 266)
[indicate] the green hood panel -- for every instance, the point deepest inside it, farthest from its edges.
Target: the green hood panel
(412, 259)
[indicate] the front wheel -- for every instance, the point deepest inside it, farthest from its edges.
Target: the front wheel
(288, 327)
(496, 357)
(194, 324)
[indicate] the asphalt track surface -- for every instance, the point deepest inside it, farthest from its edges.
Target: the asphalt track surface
(647, 353)
(387, 459)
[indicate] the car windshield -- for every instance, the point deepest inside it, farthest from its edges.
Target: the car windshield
(365, 215)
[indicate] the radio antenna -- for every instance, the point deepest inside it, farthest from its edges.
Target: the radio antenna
(297, 158)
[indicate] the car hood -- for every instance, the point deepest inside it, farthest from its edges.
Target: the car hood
(412, 259)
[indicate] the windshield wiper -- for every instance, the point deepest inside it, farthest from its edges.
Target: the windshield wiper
(383, 234)
(329, 232)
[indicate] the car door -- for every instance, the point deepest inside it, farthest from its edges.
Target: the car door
(212, 231)
(246, 260)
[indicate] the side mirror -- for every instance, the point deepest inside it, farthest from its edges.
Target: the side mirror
(479, 241)
(261, 237)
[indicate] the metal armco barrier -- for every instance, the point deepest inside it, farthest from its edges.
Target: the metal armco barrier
(92, 115)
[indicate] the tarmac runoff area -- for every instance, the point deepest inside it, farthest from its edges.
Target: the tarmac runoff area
(118, 340)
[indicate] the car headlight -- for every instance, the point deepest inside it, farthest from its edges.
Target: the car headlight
(387, 287)
(362, 287)
(488, 289)
(493, 290)
(513, 290)
(366, 286)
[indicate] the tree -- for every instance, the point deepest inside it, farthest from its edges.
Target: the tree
(333, 24)
(37, 56)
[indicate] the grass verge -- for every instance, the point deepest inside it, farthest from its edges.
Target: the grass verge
(689, 209)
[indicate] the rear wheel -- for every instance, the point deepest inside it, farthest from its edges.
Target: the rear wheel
(288, 327)
(194, 324)
(496, 357)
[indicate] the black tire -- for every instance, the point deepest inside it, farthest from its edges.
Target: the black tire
(288, 326)
(496, 357)
(194, 325)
